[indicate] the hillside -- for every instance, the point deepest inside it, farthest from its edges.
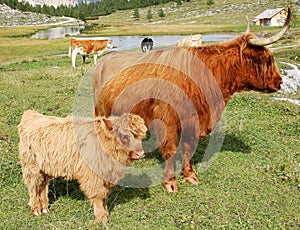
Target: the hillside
(54, 3)
(230, 12)
(190, 18)
(11, 17)
(193, 13)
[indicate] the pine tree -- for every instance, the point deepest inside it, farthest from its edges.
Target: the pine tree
(161, 13)
(210, 2)
(178, 2)
(149, 15)
(136, 14)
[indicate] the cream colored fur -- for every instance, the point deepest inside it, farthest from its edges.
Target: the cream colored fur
(89, 150)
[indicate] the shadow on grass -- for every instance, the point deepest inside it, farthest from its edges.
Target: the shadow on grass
(231, 143)
(62, 188)
(122, 194)
(206, 154)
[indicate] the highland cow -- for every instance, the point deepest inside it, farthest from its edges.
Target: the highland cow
(187, 88)
(95, 152)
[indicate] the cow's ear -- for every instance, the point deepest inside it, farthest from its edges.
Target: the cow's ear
(108, 124)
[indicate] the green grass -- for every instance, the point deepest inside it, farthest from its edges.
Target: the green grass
(254, 183)
(189, 18)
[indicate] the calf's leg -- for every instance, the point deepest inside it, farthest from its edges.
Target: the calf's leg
(100, 208)
(43, 190)
(35, 182)
(97, 192)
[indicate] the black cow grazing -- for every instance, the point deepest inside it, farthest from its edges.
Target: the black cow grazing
(147, 45)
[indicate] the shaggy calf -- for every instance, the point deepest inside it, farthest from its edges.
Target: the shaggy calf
(95, 152)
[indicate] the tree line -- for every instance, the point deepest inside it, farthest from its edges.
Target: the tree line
(84, 10)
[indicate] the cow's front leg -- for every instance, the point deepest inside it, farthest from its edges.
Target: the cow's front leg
(74, 54)
(170, 183)
(169, 153)
(188, 148)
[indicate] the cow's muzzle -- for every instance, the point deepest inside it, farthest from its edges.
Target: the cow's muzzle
(136, 155)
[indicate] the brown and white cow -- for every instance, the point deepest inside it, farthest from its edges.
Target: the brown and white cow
(161, 84)
(192, 41)
(86, 46)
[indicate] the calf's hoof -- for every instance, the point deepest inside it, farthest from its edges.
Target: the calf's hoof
(170, 186)
(45, 210)
(37, 212)
(103, 219)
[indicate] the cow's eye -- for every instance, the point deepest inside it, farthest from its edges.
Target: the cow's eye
(124, 139)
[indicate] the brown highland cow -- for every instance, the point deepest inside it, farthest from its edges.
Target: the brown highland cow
(187, 88)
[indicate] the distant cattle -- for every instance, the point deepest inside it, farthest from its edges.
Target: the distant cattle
(147, 45)
(88, 46)
(192, 40)
(150, 85)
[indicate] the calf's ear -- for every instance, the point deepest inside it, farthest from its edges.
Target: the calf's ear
(108, 124)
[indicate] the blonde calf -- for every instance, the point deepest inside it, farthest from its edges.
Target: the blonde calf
(95, 152)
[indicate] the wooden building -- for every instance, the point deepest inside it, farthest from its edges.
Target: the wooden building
(271, 17)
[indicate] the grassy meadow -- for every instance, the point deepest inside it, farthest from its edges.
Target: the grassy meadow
(254, 182)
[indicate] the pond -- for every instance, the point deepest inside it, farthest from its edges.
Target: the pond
(129, 42)
(58, 32)
(125, 42)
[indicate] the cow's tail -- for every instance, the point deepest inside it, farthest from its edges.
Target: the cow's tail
(70, 51)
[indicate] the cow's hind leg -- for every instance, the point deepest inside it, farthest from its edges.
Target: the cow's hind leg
(96, 55)
(35, 182)
(188, 148)
(85, 59)
(95, 58)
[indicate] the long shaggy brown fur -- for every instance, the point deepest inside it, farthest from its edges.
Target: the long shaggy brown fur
(207, 75)
(95, 152)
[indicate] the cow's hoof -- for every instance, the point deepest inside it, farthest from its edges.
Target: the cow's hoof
(190, 177)
(170, 186)
(191, 180)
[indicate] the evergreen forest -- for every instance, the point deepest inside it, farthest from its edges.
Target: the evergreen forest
(84, 10)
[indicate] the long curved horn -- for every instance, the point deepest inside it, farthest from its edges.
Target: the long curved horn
(275, 37)
(248, 25)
